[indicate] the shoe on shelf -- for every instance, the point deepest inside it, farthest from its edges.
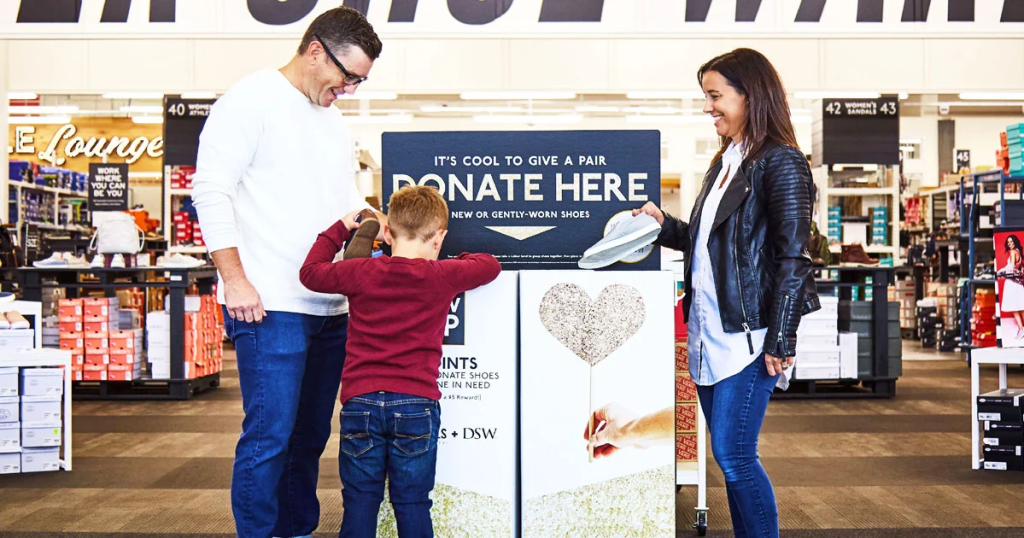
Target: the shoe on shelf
(98, 261)
(16, 320)
(624, 237)
(360, 245)
(854, 256)
(117, 261)
(179, 261)
(75, 261)
(55, 260)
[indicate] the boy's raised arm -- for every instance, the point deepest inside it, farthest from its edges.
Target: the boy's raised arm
(319, 273)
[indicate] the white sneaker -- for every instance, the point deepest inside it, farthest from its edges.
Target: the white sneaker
(98, 261)
(625, 236)
(75, 261)
(55, 260)
(117, 261)
(181, 261)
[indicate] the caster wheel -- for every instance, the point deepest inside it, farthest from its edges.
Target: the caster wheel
(702, 523)
(679, 488)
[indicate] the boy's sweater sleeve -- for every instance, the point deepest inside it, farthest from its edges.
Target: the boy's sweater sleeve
(320, 273)
(468, 271)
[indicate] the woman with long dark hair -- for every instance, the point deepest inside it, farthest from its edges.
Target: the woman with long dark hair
(1012, 302)
(748, 273)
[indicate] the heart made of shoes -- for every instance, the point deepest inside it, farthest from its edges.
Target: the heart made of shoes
(591, 329)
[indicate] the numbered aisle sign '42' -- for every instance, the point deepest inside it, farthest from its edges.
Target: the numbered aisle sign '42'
(868, 107)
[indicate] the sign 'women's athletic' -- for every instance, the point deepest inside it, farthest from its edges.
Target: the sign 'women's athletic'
(536, 200)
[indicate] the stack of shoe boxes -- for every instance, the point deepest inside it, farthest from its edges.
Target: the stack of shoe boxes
(158, 344)
(929, 322)
(204, 347)
(1014, 150)
(879, 225)
(125, 355)
(10, 422)
(857, 317)
(686, 398)
(41, 393)
(1002, 422)
(70, 316)
(101, 317)
(835, 223)
(817, 345)
(904, 294)
(983, 318)
(948, 338)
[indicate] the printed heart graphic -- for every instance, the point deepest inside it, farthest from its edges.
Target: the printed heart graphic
(591, 329)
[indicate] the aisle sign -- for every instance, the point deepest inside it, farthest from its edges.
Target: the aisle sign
(536, 200)
(963, 160)
(108, 187)
(183, 122)
(858, 131)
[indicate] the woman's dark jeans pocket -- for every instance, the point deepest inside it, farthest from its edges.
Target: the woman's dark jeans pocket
(413, 432)
(355, 433)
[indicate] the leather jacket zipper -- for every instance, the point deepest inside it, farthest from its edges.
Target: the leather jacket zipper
(783, 325)
(739, 284)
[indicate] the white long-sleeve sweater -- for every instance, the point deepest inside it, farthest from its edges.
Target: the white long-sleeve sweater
(274, 170)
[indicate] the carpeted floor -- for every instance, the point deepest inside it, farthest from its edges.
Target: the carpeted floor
(841, 468)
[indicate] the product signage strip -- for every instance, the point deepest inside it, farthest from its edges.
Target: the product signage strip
(503, 18)
(108, 187)
(535, 200)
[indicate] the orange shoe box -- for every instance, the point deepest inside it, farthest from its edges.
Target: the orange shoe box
(77, 357)
(122, 340)
(69, 308)
(71, 341)
(686, 447)
(122, 357)
(686, 389)
(69, 327)
(96, 359)
(97, 341)
(99, 375)
(686, 418)
(95, 324)
(96, 310)
(126, 375)
(78, 375)
(682, 358)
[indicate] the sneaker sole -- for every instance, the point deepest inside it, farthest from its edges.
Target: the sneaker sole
(361, 243)
(639, 234)
(856, 264)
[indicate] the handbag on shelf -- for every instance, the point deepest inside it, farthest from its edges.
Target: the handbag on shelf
(118, 234)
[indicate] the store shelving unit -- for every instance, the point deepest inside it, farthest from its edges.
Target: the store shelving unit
(58, 194)
(890, 194)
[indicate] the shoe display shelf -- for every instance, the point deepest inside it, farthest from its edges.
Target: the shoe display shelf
(180, 228)
(979, 191)
(885, 197)
(878, 368)
(177, 281)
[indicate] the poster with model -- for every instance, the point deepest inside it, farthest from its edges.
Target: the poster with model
(597, 370)
(535, 199)
(1009, 286)
(475, 489)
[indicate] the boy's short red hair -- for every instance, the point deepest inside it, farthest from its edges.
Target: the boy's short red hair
(417, 212)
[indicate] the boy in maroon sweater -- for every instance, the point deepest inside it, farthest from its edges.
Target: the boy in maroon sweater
(398, 308)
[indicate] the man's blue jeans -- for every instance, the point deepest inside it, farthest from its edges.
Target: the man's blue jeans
(289, 370)
(734, 408)
(393, 435)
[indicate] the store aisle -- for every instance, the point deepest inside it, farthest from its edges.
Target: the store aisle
(864, 468)
(841, 468)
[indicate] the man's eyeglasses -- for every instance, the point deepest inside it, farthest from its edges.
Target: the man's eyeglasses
(350, 79)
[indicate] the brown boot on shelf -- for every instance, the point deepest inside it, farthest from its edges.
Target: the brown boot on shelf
(361, 243)
(17, 320)
(854, 256)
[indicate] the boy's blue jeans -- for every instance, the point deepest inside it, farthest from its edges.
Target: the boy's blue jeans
(386, 434)
(289, 370)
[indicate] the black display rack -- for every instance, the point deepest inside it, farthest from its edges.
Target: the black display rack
(33, 280)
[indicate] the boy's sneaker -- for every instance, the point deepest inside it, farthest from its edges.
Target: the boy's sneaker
(117, 261)
(624, 237)
(98, 261)
(360, 245)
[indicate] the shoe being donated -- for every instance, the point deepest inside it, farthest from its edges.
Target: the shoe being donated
(624, 237)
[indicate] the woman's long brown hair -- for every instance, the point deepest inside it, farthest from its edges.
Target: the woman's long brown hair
(754, 77)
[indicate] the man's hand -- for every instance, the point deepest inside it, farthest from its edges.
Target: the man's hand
(243, 301)
(777, 365)
(653, 211)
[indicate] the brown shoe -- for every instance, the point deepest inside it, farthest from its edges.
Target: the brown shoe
(361, 243)
(854, 256)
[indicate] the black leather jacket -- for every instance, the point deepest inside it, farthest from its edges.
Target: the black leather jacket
(757, 246)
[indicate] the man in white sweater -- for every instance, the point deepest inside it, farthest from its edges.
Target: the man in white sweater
(274, 170)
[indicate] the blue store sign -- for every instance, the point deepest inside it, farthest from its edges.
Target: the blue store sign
(536, 200)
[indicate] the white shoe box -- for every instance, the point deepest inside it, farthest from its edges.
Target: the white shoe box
(159, 353)
(9, 409)
(158, 320)
(42, 382)
(10, 436)
(817, 327)
(816, 342)
(40, 408)
(9, 381)
(848, 355)
(17, 339)
(815, 371)
(40, 460)
(193, 303)
(160, 370)
(829, 309)
(40, 434)
(10, 463)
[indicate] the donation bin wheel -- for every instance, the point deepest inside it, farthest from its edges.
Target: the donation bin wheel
(702, 523)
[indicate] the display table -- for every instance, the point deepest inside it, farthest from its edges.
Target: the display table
(34, 280)
(988, 355)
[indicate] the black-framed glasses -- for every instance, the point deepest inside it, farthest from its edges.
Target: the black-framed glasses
(350, 79)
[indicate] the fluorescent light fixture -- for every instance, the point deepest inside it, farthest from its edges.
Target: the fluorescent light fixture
(148, 119)
(679, 118)
(198, 95)
(528, 118)
(22, 96)
(910, 141)
(596, 108)
(39, 120)
(143, 109)
(658, 110)
(389, 118)
(904, 95)
(133, 95)
(369, 96)
(665, 95)
(499, 109)
(992, 96)
(68, 109)
(837, 95)
(516, 96)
